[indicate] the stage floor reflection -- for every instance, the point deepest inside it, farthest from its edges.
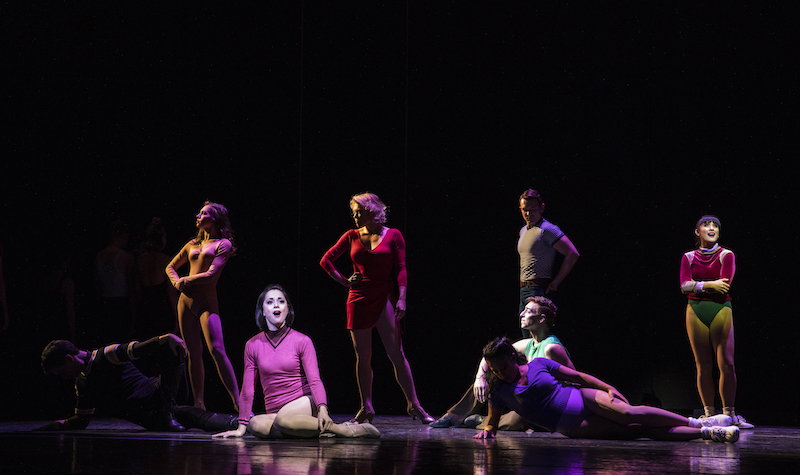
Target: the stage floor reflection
(406, 447)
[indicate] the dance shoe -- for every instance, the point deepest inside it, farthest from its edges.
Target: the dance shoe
(417, 412)
(743, 424)
(473, 421)
(442, 422)
(720, 434)
(720, 420)
(362, 415)
(169, 423)
(363, 430)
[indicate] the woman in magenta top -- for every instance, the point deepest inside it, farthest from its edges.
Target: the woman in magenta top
(706, 277)
(286, 363)
(378, 253)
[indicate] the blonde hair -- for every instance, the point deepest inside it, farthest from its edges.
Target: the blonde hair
(373, 204)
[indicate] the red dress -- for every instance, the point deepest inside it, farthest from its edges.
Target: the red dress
(367, 299)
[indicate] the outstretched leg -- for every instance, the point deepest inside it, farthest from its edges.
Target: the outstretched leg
(619, 420)
(212, 329)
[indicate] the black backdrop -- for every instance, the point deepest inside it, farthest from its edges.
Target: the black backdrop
(631, 121)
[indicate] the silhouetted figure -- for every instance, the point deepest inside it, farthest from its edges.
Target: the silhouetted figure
(115, 279)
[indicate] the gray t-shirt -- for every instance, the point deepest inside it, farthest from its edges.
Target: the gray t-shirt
(536, 252)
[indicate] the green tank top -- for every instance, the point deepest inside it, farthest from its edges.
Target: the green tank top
(534, 350)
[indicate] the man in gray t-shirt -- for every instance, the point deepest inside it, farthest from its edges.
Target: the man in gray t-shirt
(538, 242)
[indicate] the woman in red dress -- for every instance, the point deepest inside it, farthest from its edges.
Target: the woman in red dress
(378, 253)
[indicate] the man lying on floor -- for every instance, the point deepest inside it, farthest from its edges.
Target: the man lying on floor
(106, 380)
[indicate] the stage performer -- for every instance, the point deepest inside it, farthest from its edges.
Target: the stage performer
(286, 363)
(706, 277)
(107, 381)
(538, 317)
(377, 253)
(539, 241)
(198, 308)
(597, 410)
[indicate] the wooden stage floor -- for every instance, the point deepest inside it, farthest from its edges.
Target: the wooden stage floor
(118, 447)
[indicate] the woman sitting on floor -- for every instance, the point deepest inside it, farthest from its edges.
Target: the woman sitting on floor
(286, 362)
(595, 411)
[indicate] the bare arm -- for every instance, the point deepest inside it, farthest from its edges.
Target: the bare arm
(571, 255)
(557, 353)
(491, 425)
(587, 381)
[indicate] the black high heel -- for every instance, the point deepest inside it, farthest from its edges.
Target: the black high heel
(417, 412)
(362, 415)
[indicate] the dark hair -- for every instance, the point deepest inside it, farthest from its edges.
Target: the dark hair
(154, 236)
(546, 306)
(531, 194)
(500, 348)
(708, 218)
(261, 320)
(55, 353)
(219, 214)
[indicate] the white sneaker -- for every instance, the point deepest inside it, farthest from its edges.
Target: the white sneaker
(720, 434)
(743, 424)
(720, 420)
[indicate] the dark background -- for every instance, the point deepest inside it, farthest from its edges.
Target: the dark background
(632, 121)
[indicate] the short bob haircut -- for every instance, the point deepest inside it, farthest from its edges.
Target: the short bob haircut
(546, 307)
(708, 218)
(55, 354)
(261, 320)
(373, 204)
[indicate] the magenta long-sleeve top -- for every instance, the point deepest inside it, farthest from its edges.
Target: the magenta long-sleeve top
(288, 370)
(699, 266)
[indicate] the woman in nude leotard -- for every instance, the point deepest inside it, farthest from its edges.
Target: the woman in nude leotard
(198, 309)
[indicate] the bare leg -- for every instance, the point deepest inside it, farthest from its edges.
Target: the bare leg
(598, 427)
(625, 421)
(192, 335)
(362, 344)
(722, 341)
(387, 329)
(298, 419)
(212, 329)
(699, 338)
(263, 426)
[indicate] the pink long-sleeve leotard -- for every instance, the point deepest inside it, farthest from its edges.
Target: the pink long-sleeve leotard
(287, 368)
(367, 299)
(699, 266)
